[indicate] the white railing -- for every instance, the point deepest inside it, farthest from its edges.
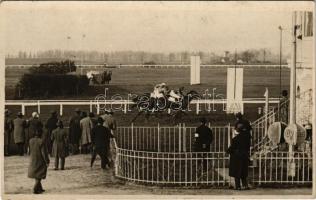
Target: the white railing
(274, 167)
(96, 66)
(120, 105)
(188, 169)
(178, 138)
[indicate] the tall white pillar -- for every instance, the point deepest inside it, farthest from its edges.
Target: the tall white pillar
(195, 73)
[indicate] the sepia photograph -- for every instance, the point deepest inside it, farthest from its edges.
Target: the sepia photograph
(157, 99)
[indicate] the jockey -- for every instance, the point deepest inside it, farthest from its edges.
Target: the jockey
(158, 91)
(173, 96)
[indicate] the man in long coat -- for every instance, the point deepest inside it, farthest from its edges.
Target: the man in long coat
(60, 140)
(39, 162)
(34, 125)
(240, 152)
(51, 124)
(86, 126)
(19, 126)
(8, 127)
(101, 140)
(75, 132)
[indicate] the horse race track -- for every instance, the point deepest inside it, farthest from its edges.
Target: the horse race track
(140, 80)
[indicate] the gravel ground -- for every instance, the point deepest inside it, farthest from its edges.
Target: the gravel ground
(79, 179)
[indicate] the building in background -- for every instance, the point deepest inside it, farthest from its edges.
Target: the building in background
(305, 65)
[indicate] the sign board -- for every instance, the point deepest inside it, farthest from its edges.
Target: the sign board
(234, 90)
(294, 134)
(274, 133)
(195, 70)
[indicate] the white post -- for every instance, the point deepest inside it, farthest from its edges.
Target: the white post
(197, 107)
(91, 106)
(61, 109)
(195, 70)
(98, 108)
(179, 138)
(293, 76)
(125, 107)
(132, 136)
(158, 132)
(23, 109)
(38, 107)
(229, 136)
(266, 111)
(184, 138)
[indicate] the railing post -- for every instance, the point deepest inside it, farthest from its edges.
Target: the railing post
(125, 106)
(158, 140)
(184, 138)
(23, 109)
(197, 107)
(179, 137)
(38, 107)
(61, 109)
(229, 136)
(132, 136)
(98, 108)
(91, 106)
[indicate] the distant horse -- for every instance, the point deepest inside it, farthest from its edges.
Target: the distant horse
(152, 106)
(98, 78)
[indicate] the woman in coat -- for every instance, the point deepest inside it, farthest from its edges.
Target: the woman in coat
(239, 156)
(59, 138)
(39, 162)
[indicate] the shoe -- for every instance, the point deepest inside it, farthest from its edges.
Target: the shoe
(247, 188)
(62, 169)
(37, 192)
(238, 188)
(42, 190)
(55, 168)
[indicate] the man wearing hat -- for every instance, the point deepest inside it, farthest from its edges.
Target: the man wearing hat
(35, 125)
(19, 126)
(203, 137)
(239, 152)
(101, 140)
(240, 121)
(51, 124)
(8, 127)
(75, 131)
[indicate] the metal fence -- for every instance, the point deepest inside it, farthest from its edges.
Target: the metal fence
(276, 167)
(189, 169)
(178, 138)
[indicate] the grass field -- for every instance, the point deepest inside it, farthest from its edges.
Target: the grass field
(140, 80)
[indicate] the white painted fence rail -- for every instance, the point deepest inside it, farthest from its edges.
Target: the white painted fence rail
(122, 105)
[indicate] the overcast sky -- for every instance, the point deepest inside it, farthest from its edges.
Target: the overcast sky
(150, 26)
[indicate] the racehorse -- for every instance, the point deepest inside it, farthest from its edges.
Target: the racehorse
(151, 106)
(97, 77)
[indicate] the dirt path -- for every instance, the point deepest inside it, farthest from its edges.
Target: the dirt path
(79, 179)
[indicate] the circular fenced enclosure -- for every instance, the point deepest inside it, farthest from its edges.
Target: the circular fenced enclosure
(166, 156)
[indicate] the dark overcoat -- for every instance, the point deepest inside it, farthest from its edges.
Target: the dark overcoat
(239, 155)
(101, 137)
(39, 159)
(74, 130)
(60, 139)
(204, 139)
(8, 127)
(35, 125)
(19, 125)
